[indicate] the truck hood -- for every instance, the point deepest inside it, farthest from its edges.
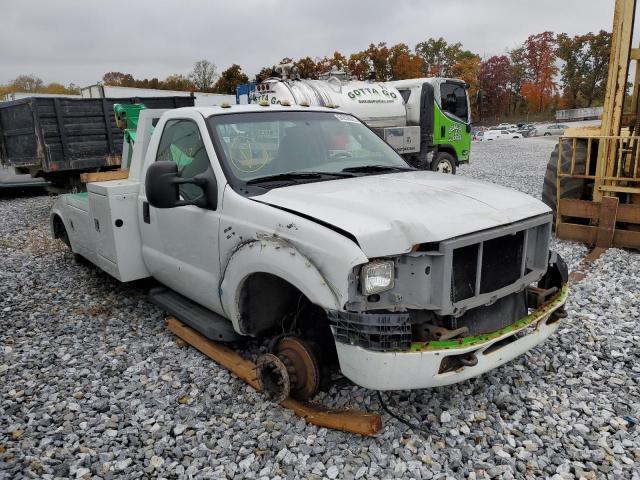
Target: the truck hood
(389, 214)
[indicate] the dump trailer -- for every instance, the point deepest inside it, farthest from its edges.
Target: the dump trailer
(427, 120)
(58, 138)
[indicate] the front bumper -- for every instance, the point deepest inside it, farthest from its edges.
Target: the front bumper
(421, 366)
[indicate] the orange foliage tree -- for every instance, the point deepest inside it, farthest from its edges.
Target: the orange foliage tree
(467, 68)
(403, 63)
(359, 65)
(539, 88)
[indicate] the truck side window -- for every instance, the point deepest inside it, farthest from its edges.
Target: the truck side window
(181, 143)
(453, 99)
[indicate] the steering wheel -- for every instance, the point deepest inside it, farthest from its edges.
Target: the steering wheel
(242, 155)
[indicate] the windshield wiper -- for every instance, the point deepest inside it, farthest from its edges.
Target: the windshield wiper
(296, 176)
(375, 168)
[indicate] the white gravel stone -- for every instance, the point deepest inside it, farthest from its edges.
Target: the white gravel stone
(445, 417)
(156, 462)
(332, 471)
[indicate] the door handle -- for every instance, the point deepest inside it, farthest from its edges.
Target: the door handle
(146, 217)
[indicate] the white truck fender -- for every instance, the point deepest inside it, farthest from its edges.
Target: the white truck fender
(273, 255)
(56, 211)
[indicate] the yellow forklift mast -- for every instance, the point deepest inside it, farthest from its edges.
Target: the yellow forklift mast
(593, 177)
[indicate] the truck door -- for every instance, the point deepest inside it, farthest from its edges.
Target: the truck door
(180, 244)
(426, 116)
(452, 120)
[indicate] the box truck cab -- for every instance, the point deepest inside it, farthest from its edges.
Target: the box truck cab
(441, 108)
(301, 225)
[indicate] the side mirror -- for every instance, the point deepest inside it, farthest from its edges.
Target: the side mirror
(162, 187)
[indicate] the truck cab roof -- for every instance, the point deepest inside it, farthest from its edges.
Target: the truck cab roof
(250, 108)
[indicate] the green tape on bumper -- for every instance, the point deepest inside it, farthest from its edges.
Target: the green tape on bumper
(524, 322)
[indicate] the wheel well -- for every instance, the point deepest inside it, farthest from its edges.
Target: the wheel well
(271, 306)
(58, 227)
(450, 150)
(266, 301)
(269, 302)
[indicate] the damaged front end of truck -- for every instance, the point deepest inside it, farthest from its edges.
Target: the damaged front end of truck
(451, 310)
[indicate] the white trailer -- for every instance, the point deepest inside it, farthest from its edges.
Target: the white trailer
(202, 99)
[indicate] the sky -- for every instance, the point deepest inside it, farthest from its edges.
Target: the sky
(78, 41)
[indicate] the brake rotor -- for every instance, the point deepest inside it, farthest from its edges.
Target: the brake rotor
(273, 377)
(301, 365)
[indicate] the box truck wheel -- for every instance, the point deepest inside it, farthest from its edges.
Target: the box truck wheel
(443, 162)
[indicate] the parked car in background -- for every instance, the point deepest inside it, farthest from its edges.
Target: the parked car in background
(498, 135)
(514, 133)
(488, 135)
(526, 129)
(505, 125)
(477, 132)
(548, 130)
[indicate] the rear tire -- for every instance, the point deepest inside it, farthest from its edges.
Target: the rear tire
(571, 187)
(444, 162)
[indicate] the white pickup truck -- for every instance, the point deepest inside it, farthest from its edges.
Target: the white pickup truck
(300, 224)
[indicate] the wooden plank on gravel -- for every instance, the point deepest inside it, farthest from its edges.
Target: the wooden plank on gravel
(120, 174)
(583, 267)
(354, 421)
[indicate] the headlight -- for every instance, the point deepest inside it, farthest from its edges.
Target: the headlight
(377, 277)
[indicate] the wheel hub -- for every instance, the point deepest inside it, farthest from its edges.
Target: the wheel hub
(301, 365)
(273, 377)
(291, 370)
(443, 167)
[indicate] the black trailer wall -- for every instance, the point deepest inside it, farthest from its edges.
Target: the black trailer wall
(61, 136)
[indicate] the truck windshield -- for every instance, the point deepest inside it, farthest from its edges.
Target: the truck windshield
(314, 145)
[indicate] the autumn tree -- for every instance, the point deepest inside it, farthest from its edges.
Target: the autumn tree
(54, 88)
(118, 79)
(27, 83)
(467, 68)
(306, 67)
(73, 89)
(339, 61)
(177, 81)
(203, 75)
(230, 79)
(403, 63)
(494, 78)
(379, 58)
(264, 73)
(359, 65)
(34, 84)
(438, 57)
(539, 87)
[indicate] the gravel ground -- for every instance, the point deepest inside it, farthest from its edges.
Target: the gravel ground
(92, 385)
